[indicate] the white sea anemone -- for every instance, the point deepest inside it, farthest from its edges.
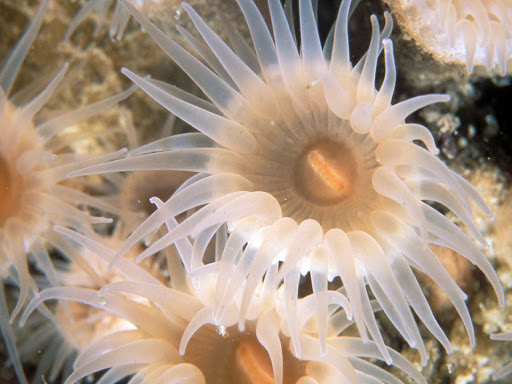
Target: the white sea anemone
(57, 338)
(35, 193)
(303, 135)
(53, 345)
(179, 339)
(474, 32)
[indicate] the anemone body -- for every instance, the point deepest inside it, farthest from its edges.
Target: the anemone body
(303, 135)
(179, 336)
(36, 193)
(473, 32)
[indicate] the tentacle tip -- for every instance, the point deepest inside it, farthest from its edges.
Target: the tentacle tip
(472, 338)
(501, 299)
(469, 68)
(297, 349)
(139, 259)
(217, 317)
(495, 337)
(24, 319)
(154, 200)
(483, 242)
(125, 71)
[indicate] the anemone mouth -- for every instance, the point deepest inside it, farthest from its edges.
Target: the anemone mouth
(317, 168)
(326, 173)
(226, 355)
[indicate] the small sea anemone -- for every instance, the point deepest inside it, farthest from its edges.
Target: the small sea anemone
(33, 166)
(57, 338)
(53, 345)
(474, 32)
(35, 193)
(179, 338)
(303, 135)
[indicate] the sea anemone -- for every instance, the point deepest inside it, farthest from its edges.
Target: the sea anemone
(302, 135)
(473, 32)
(35, 193)
(73, 326)
(179, 339)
